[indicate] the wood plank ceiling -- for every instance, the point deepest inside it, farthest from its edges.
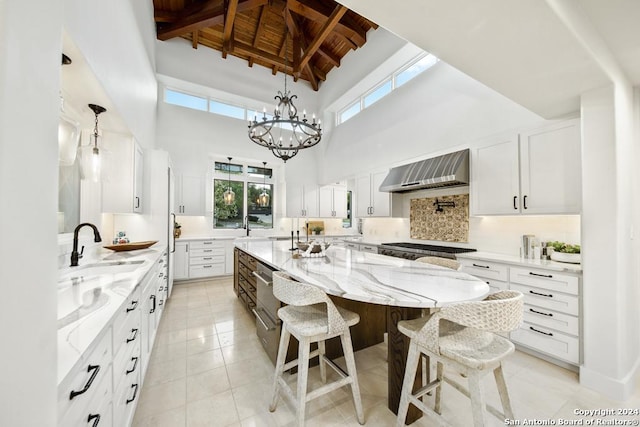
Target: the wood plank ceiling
(305, 38)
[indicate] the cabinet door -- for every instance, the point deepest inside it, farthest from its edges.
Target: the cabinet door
(294, 200)
(181, 261)
(550, 169)
(120, 185)
(380, 201)
(311, 202)
(190, 199)
(326, 201)
(340, 202)
(495, 183)
(138, 165)
(363, 196)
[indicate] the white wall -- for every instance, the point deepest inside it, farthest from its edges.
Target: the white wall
(29, 108)
(441, 109)
(107, 35)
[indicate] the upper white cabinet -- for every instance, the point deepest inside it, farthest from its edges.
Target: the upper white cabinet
(189, 197)
(122, 188)
(371, 202)
(535, 172)
(302, 201)
(333, 201)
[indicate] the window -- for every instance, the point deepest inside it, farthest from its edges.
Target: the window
(347, 222)
(185, 100)
(376, 94)
(250, 183)
(406, 73)
(223, 109)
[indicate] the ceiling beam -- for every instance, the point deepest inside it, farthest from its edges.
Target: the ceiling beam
(299, 44)
(259, 30)
(315, 12)
(324, 32)
(230, 16)
(204, 18)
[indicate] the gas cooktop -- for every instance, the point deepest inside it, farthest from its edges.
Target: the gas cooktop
(429, 248)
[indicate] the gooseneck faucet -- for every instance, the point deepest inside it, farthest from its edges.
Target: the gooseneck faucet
(246, 222)
(75, 256)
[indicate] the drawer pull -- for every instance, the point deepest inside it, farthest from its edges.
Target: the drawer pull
(94, 417)
(515, 198)
(94, 374)
(135, 335)
(135, 365)
(481, 266)
(135, 393)
(134, 305)
(540, 312)
(207, 258)
(207, 243)
(207, 250)
(549, 334)
(549, 276)
(207, 266)
(161, 275)
(153, 308)
(542, 295)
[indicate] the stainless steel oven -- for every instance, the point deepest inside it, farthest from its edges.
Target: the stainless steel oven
(268, 326)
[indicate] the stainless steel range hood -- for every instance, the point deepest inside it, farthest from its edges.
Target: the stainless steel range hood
(447, 170)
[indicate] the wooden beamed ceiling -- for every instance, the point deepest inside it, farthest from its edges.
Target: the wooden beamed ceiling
(304, 38)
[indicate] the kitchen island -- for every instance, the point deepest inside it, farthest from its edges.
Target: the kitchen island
(401, 286)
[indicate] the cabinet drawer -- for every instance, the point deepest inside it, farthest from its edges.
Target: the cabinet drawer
(214, 251)
(369, 248)
(548, 341)
(125, 400)
(206, 270)
(129, 335)
(552, 319)
(208, 259)
(485, 270)
(84, 379)
(207, 244)
(545, 279)
(126, 363)
(352, 246)
(129, 311)
(97, 410)
(550, 300)
(247, 260)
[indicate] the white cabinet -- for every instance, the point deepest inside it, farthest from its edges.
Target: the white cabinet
(535, 172)
(370, 202)
(181, 261)
(362, 247)
(207, 258)
(123, 183)
(189, 195)
(302, 200)
(333, 201)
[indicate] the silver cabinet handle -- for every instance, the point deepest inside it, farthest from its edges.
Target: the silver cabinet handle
(259, 277)
(264, 325)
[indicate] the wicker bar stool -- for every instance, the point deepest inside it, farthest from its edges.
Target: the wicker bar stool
(442, 262)
(311, 316)
(461, 336)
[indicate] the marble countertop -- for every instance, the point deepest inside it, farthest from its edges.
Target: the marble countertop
(516, 260)
(372, 278)
(91, 294)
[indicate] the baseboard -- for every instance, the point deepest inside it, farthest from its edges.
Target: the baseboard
(617, 389)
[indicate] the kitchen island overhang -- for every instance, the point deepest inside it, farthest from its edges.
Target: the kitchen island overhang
(383, 290)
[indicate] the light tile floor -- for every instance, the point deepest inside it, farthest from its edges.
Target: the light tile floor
(207, 368)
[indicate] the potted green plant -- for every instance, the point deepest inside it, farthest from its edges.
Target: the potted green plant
(317, 229)
(564, 252)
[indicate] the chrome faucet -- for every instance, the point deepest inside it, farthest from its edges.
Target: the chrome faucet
(75, 256)
(246, 224)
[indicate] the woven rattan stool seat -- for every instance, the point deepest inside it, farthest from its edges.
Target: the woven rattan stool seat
(311, 320)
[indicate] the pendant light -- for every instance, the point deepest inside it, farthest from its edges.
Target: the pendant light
(229, 196)
(263, 198)
(91, 159)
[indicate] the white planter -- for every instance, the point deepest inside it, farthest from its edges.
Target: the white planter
(564, 257)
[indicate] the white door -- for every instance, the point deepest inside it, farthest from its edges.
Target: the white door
(139, 178)
(495, 182)
(340, 202)
(380, 201)
(294, 200)
(326, 201)
(311, 201)
(181, 261)
(550, 169)
(363, 196)
(192, 195)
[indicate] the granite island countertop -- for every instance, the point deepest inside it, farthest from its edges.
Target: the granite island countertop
(372, 278)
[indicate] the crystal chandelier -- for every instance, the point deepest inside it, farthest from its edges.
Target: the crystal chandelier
(268, 132)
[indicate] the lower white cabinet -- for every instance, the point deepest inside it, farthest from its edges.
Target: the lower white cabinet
(362, 247)
(197, 259)
(552, 313)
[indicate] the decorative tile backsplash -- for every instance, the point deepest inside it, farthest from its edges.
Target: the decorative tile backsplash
(449, 224)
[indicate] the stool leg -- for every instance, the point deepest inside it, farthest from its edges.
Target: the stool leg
(303, 372)
(282, 355)
(407, 384)
(347, 348)
(477, 400)
(439, 375)
(504, 393)
(323, 365)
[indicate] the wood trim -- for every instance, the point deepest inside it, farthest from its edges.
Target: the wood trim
(312, 11)
(230, 16)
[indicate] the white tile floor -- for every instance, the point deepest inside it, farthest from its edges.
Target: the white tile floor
(208, 369)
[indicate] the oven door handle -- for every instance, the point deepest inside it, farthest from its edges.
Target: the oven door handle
(259, 277)
(264, 324)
